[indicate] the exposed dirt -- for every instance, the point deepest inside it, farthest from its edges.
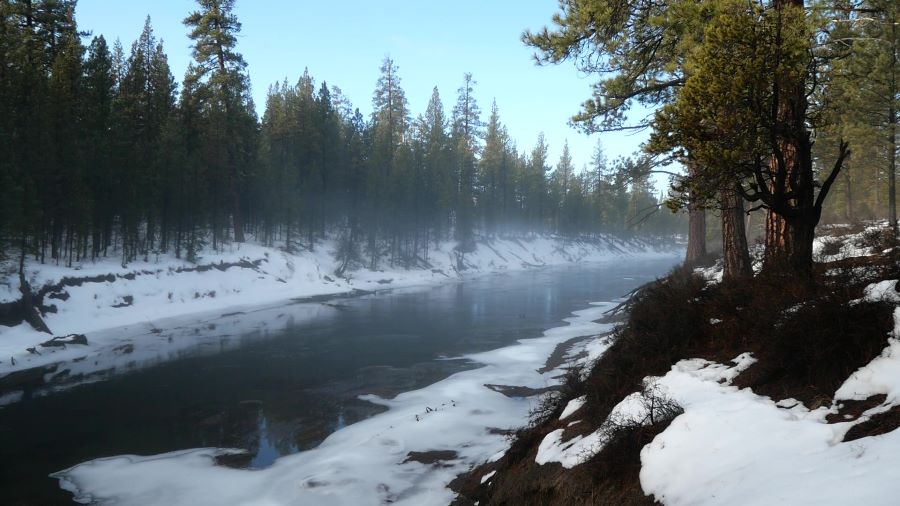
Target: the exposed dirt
(431, 457)
(849, 411)
(877, 425)
(560, 355)
(520, 391)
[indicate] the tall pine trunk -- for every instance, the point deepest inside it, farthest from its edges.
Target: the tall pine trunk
(892, 145)
(696, 248)
(790, 233)
(848, 205)
(778, 241)
(735, 252)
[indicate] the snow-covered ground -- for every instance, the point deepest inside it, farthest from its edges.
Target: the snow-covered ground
(368, 462)
(127, 306)
(732, 446)
(830, 248)
(735, 447)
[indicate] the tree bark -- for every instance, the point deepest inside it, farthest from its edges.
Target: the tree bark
(696, 248)
(892, 145)
(892, 131)
(735, 252)
(778, 241)
(848, 210)
(29, 311)
(804, 233)
(791, 221)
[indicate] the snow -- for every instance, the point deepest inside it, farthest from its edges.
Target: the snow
(488, 476)
(364, 463)
(579, 449)
(634, 409)
(165, 291)
(880, 376)
(852, 245)
(885, 290)
(138, 346)
(735, 447)
(572, 406)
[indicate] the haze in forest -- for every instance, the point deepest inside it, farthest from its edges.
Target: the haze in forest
(142, 161)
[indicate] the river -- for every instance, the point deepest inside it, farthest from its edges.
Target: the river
(282, 392)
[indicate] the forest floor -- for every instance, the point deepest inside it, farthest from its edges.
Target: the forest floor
(100, 313)
(768, 391)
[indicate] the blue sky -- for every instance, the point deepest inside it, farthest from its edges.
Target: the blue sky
(344, 41)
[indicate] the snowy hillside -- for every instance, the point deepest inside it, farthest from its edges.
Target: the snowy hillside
(754, 394)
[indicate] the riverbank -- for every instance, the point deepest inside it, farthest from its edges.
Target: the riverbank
(406, 455)
(111, 305)
(767, 391)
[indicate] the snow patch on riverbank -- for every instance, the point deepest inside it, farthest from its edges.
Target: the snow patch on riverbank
(138, 299)
(733, 446)
(370, 462)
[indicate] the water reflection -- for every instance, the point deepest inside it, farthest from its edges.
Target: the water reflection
(271, 446)
(138, 347)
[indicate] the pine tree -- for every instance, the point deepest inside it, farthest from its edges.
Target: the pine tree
(66, 198)
(494, 171)
(637, 50)
(561, 178)
(755, 61)
(441, 184)
(220, 86)
(144, 103)
(466, 137)
(862, 99)
(390, 121)
(99, 94)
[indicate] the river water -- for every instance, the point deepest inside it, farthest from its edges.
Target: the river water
(284, 391)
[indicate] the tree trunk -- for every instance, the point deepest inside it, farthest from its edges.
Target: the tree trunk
(735, 252)
(848, 212)
(892, 168)
(31, 314)
(892, 131)
(696, 249)
(789, 240)
(803, 231)
(778, 242)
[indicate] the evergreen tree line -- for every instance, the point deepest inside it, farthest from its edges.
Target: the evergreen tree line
(861, 105)
(103, 154)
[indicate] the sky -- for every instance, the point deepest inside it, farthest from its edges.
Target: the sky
(343, 43)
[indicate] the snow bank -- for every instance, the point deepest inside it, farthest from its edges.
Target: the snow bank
(851, 245)
(885, 290)
(137, 346)
(144, 296)
(735, 447)
(880, 376)
(633, 410)
(573, 406)
(364, 463)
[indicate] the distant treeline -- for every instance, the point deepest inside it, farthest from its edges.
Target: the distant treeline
(101, 154)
